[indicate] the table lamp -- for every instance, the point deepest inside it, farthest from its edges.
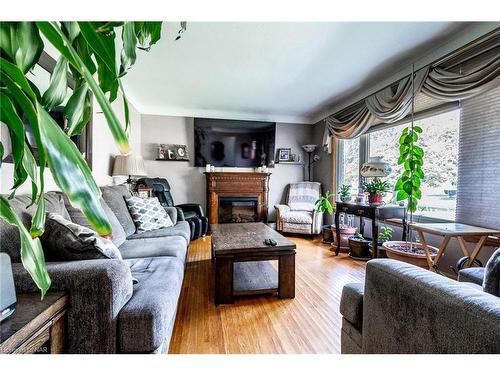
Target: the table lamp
(129, 165)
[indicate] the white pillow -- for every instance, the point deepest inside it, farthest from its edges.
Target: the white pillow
(148, 214)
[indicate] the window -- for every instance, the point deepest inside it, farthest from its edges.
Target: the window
(439, 140)
(349, 166)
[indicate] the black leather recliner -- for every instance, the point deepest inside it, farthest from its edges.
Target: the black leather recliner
(190, 212)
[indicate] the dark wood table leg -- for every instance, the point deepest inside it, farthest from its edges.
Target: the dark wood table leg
(337, 231)
(374, 237)
(286, 276)
(224, 280)
(361, 225)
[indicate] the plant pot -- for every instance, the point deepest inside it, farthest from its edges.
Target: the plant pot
(400, 250)
(345, 199)
(380, 250)
(375, 199)
(359, 249)
(327, 234)
(345, 233)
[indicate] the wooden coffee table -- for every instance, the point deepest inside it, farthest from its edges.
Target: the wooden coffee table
(241, 262)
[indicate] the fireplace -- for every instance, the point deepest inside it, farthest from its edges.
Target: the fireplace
(238, 209)
(237, 196)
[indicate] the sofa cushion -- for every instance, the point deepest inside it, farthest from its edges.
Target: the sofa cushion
(298, 217)
(173, 246)
(491, 283)
(351, 303)
(180, 229)
(78, 217)
(10, 242)
(115, 196)
(148, 214)
(145, 323)
(64, 240)
(471, 275)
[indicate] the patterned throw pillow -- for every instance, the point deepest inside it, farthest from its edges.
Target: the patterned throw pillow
(148, 214)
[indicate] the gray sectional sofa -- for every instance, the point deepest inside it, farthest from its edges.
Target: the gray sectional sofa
(406, 309)
(109, 313)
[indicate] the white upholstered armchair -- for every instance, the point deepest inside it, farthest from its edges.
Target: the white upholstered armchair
(298, 214)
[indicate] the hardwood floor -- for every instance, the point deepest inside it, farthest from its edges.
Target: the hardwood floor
(310, 323)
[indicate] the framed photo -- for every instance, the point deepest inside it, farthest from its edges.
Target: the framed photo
(162, 150)
(180, 152)
(143, 192)
(284, 154)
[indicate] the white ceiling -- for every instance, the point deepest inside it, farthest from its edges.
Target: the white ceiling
(284, 72)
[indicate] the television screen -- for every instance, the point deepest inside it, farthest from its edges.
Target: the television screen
(233, 143)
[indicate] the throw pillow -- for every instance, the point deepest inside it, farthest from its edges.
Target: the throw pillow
(64, 240)
(78, 217)
(491, 282)
(148, 214)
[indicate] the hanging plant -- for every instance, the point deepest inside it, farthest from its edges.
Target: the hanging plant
(87, 50)
(412, 158)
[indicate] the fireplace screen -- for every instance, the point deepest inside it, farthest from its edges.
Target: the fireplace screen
(237, 209)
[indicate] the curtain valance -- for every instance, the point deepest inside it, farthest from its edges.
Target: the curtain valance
(440, 82)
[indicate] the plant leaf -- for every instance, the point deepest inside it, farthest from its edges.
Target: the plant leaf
(77, 110)
(102, 45)
(22, 43)
(57, 38)
(148, 33)
(56, 93)
(402, 195)
(17, 76)
(71, 172)
(15, 125)
(128, 54)
(31, 249)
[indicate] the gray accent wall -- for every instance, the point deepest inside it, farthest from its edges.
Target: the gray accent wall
(188, 182)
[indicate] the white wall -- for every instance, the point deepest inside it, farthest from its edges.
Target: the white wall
(188, 182)
(103, 151)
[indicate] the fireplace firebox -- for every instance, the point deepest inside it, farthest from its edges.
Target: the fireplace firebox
(238, 209)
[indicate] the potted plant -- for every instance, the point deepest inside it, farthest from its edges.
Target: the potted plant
(345, 193)
(323, 204)
(376, 189)
(87, 50)
(408, 188)
(359, 247)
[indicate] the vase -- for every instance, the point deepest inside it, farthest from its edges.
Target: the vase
(375, 199)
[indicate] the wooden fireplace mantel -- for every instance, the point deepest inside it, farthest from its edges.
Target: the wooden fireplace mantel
(237, 184)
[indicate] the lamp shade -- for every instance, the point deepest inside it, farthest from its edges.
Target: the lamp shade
(375, 167)
(129, 165)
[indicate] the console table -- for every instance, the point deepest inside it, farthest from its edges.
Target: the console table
(36, 326)
(374, 213)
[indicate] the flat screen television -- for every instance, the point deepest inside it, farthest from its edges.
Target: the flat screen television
(234, 143)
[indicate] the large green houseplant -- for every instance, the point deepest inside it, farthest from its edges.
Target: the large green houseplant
(87, 50)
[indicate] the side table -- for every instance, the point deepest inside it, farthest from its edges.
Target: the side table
(36, 326)
(449, 231)
(375, 213)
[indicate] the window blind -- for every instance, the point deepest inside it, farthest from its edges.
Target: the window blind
(478, 190)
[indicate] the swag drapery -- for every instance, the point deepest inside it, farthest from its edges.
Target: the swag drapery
(395, 102)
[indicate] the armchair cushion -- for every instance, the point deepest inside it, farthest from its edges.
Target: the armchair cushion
(297, 217)
(302, 195)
